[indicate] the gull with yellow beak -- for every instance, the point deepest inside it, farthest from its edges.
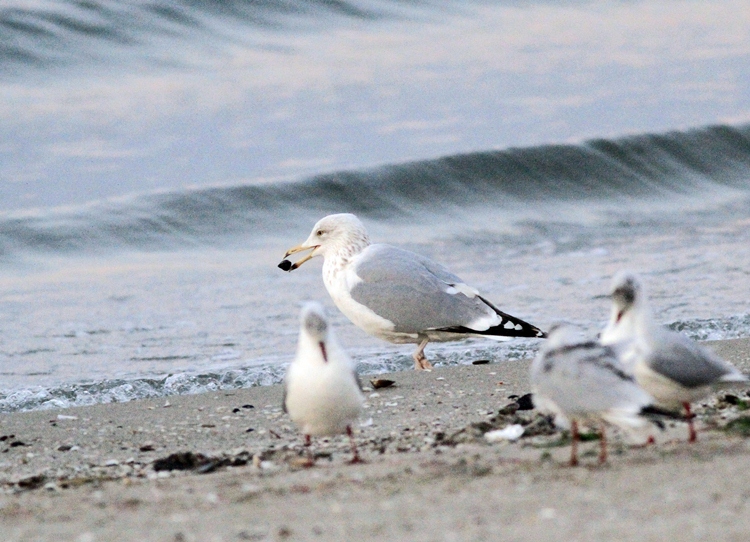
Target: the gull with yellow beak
(397, 295)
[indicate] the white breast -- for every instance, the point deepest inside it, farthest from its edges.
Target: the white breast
(666, 391)
(322, 399)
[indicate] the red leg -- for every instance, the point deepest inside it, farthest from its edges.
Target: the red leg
(355, 453)
(602, 444)
(691, 427)
(308, 447)
(574, 443)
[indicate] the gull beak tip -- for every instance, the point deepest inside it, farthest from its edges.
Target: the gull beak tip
(286, 265)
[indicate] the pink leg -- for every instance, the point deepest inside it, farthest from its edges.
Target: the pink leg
(691, 427)
(355, 453)
(574, 443)
(420, 360)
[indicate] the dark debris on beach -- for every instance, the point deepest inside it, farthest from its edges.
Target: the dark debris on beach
(280, 449)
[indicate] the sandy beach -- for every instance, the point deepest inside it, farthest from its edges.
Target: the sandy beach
(158, 160)
(224, 466)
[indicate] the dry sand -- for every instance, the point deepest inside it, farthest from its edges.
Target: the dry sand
(93, 473)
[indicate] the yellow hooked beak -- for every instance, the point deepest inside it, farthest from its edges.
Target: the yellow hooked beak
(286, 266)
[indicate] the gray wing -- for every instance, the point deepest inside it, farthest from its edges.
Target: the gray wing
(412, 291)
(586, 378)
(685, 362)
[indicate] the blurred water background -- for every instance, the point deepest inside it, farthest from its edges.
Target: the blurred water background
(158, 157)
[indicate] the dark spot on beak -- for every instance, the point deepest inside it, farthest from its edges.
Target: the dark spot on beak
(323, 350)
(285, 265)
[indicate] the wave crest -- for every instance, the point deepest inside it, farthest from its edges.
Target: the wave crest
(637, 167)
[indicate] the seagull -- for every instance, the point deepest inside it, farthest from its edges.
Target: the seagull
(397, 295)
(675, 370)
(583, 380)
(322, 394)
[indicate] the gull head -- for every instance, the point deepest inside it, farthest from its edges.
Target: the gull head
(314, 321)
(629, 317)
(626, 293)
(314, 326)
(333, 234)
(561, 335)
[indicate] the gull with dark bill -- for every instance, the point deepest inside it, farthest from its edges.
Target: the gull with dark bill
(322, 394)
(675, 370)
(398, 295)
(583, 381)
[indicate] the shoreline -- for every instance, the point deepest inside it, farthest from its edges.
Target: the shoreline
(223, 466)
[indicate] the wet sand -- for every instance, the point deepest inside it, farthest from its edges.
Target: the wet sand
(224, 466)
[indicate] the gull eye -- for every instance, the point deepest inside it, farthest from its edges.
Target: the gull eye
(319, 233)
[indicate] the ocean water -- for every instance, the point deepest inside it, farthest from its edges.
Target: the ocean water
(158, 158)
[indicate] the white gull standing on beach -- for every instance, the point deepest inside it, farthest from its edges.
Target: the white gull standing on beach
(322, 394)
(397, 295)
(582, 380)
(675, 370)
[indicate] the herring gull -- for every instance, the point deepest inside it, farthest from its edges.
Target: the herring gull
(400, 296)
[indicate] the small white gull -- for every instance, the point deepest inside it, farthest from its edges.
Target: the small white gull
(675, 370)
(583, 381)
(400, 296)
(322, 394)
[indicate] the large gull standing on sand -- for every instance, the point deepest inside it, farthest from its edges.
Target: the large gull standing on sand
(321, 390)
(673, 369)
(398, 295)
(580, 380)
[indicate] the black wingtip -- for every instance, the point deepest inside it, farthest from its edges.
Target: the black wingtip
(498, 331)
(509, 326)
(526, 330)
